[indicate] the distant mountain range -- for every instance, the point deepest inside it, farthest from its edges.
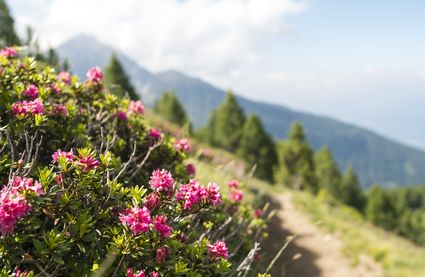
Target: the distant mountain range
(374, 157)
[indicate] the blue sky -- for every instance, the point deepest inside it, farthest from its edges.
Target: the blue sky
(358, 61)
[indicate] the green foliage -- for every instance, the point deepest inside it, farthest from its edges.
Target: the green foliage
(117, 81)
(295, 161)
(327, 171)
(171, 109)
(379, 208)
(350, 191)
(8, 36)
(257, 147)
(224, 128)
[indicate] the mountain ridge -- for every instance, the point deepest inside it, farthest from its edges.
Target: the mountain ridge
(374, 157)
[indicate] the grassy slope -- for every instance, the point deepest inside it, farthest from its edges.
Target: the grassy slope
(398, 256)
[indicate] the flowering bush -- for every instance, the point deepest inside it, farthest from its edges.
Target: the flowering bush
(88, 188)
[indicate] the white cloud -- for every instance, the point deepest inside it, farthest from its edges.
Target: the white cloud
(209, 37)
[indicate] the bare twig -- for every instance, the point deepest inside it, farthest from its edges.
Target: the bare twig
(288, 241)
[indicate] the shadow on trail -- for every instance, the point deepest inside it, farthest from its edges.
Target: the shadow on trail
(286, 265)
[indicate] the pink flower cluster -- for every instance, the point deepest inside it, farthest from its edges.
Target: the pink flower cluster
(192, 193)
(136, 107)
(19, 273)
(217, 250)
(121, 115)
(69, 156)
(59, 109)
(28, 108)
(152, 201)
(161, 254)
(31, 92)
(95, 75)
(141, 273)
(191, 169)
(14, 205)
(138, 219)
(160, 225)
(235, 193)
(55, 89)
(155, 134)
(8, 52)
(161, 180)
(64, 77)
(182, 145)
(88, 163)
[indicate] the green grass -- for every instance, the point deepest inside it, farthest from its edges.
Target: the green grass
(397, 256)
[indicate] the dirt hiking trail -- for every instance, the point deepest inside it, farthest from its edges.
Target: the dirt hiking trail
(313, 252)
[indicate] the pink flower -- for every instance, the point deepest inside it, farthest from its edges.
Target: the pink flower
(25, 108)
(28, 184)
(8, 52)
(95, 75)
(182, 145)
(137, 219)
(191, 169)
(31, 92)
(161, 255)
(59, 109)
(88, 163)
(18, 273)
(154, 274)
(214, 195)
(258, 213)
(152, 201)
(136, 107)
(64, 77)
(122, 116)
(191, 194)
(155, 134)
(131, 274)
(160, 225)
(217, 250)
(69, 156)
(55, 88)
(236, 195)
(161, 180)
(233, 184)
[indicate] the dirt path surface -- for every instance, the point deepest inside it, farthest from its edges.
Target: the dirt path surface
(312, 252)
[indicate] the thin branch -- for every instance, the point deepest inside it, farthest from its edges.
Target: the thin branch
(291, 238)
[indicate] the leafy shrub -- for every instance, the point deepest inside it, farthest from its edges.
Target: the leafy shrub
(88, 188)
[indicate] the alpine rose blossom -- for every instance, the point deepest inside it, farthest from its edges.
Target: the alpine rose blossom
(136, 107)
(64, 77)
(161, 180)
(69, 156)
(19, 273)
(24, 108)
(160, 225)
(121, 115)
(233, 184)
(217, 250)
(55, 89)
(9, 52)
(182, 145)
(137, 219)
(28, 184)
(31, 92)
(95, 75)
(130, 273)
(161, 254)
(214, 195)
(191, 194)
(155, 134)
(236, 195)
(191, 169)
(152, 201)
(59, 109)
(258, 213)
(88, 163)
(154, 274)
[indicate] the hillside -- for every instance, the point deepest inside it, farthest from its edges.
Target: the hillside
(375, 158)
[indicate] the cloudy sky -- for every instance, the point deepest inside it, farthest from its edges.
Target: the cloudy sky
(359, 61)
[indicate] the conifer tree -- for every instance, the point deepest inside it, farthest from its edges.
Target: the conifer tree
(224, 128)
(295, 161)
(117, 80)
(257, 147)
(8, 36)
(171, 109)
(379, 209)
(52, 58)
(327, 171)
(350, 191)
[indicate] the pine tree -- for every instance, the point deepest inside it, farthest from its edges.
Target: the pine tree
(171, 109)
(117, 80)
(8, 36)
(327, 171)
(257, 147)
(52, 58)
(350, 191)
(379, 209)
(295, 161)
(224, 128)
